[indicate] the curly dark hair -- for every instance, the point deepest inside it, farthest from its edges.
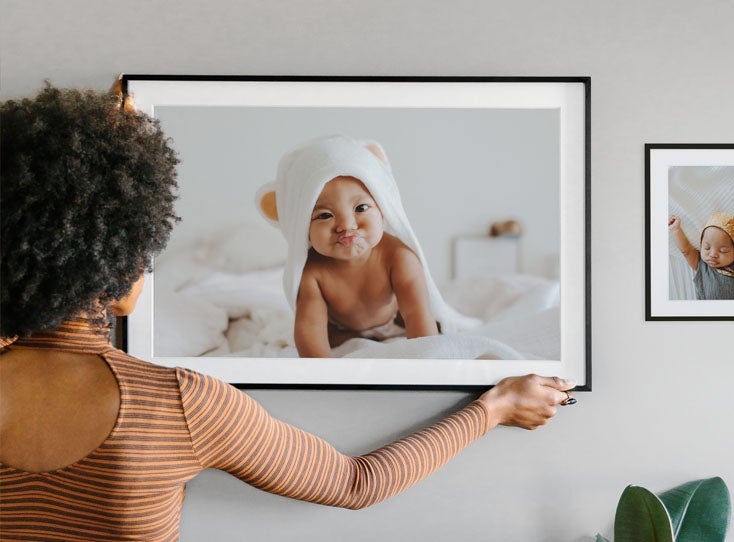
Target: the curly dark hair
(86, 200)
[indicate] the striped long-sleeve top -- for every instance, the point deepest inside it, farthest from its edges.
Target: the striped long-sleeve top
(174, 423)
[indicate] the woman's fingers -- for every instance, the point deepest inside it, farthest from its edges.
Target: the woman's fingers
(528, 401)
(560, 386)
(555, 382)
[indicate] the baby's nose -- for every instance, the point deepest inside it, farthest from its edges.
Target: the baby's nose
(345, 221)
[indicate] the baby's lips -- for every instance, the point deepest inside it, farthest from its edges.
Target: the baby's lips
(346, 238)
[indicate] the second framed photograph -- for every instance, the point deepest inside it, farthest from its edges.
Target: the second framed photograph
(690, 231)
(414, 233)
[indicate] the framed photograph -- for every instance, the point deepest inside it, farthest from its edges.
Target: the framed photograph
(689, 222)
(450, 159)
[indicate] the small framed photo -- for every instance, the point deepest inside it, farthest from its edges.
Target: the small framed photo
(689, 223)
(444, 160)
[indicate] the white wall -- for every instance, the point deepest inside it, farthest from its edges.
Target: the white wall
(661, 408)
(457, 170)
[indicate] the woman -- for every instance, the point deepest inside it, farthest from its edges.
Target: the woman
(97, 445)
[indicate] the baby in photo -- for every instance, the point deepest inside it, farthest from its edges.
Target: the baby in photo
(354, 267)
(713, 265)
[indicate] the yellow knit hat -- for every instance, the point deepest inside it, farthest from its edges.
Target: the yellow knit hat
(722, 221)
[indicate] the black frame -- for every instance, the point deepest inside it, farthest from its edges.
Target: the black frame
(649, 149)
(122, 324)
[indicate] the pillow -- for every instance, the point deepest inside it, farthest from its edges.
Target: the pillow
(537, 299)
(186, 325)
(487, 297)
(242, 247)
(241, 294)
(239, 248)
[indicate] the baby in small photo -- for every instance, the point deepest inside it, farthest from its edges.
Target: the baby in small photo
(713, 266)
(354, 267)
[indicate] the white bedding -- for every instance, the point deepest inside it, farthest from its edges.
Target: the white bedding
(245, 314)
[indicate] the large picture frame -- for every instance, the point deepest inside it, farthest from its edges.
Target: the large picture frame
(688, 188)
(465, 152)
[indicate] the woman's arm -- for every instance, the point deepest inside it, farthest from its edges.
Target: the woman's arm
(311, 328)
(232, 432)
(409, 283)
(689, 253)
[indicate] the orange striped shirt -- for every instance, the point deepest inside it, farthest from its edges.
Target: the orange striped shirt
(174, 423)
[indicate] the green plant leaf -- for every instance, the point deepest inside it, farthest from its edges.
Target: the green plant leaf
(641, 515)
(600, 538)
(699, 510)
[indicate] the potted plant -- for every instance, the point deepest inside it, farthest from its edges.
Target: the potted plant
(696, 511)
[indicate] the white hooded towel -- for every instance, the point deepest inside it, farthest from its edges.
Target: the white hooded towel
(302, 174)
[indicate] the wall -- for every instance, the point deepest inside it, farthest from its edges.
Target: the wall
(228, 153)
(660, 411)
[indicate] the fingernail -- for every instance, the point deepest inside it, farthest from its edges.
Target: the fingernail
(570, 401)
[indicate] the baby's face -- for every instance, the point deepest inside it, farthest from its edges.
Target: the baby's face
(717, 248)
(346, 222)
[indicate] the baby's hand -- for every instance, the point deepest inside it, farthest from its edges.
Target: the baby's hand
(674, 223)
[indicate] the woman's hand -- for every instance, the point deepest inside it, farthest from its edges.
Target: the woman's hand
(674, 223)
(526, 401)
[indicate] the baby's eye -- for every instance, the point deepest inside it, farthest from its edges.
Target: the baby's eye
(361, 208)
(323, 216)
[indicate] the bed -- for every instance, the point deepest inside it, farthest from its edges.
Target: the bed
(212, 299)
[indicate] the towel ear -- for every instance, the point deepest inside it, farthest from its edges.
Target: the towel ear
(375, 148)
(126, 100)
(265, 201)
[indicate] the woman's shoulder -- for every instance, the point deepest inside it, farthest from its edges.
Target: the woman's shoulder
(136, 371)
(176, 384)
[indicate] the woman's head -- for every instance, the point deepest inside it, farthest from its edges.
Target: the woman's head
(86, 202)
